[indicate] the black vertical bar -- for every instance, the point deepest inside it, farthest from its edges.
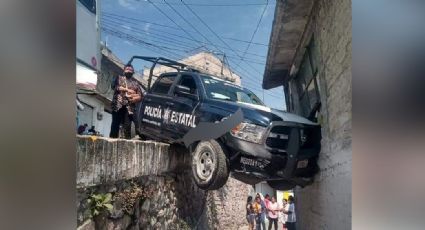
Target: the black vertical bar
(292, 151)
(150, 74)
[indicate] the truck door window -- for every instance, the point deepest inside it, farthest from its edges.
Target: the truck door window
(163, 85)
(189, 82)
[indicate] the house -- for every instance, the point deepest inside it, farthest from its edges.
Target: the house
(310, 56)
(205, 62)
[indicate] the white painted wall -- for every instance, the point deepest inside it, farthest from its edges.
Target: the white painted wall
(88, 35)
(85, 116)
(264, 189)
(104, 125)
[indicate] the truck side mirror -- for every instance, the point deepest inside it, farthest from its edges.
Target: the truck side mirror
(184, 91)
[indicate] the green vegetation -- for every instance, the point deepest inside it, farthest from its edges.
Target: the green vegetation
(99, 203)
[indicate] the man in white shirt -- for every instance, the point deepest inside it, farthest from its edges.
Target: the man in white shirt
(291, 220)
(282, 216)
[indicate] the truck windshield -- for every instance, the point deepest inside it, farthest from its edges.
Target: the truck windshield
(218, 89)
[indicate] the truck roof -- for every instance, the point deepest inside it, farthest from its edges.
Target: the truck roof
(204, 75)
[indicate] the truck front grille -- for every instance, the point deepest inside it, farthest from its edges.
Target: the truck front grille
(278, 137)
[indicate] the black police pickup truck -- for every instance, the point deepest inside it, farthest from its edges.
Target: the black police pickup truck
(268, 145)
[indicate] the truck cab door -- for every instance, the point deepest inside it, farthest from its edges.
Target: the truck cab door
(152, 110)
(183, 114)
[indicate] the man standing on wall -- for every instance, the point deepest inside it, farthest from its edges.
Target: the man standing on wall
(126, 94)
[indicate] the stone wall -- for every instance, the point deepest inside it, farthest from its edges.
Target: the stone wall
(227, 205)
(326, 204)
(148, 202)
(151, 188)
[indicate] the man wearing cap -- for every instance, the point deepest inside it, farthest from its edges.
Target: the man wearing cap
(126, 94)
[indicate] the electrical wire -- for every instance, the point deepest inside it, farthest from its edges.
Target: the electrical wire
(190, 24)
(130, 20)
(169, 53)
(241, 58)
(153, 37)
(163, 13)
(228, 46)
(217, 5)
(166, 40)
(159, 49)
(255, 31)
(239, 40)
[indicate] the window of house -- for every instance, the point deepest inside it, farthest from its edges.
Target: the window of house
(163, 85)
(307, 83)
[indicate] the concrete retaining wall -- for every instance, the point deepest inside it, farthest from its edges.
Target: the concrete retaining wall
(155, 181)
(104, 160)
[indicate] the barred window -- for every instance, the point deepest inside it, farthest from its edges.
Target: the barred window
(307, 83)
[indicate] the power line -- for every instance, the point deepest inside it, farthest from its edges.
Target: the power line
(195, 27)
(138, 39)
(238, 40)
(265, 92)
(255, 31)
(164, 39)
(201, 33)
(254, 85)
(136, 19)
(169, 41)
(209, 28)
(141, 42)
(119, 18)
(163, 13)
(164, 50)
(189, 23)
(218, 5)
(228, 46)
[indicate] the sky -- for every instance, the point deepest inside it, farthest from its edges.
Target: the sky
(176, 29)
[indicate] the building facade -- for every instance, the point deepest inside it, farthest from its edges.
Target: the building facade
(310, 56)
(205, 62)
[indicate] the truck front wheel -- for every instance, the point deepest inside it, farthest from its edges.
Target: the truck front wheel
(210, 167)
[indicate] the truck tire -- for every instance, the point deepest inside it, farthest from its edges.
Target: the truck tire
(282, 185)
(210, 167)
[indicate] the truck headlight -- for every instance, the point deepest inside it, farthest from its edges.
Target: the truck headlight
(249, 132)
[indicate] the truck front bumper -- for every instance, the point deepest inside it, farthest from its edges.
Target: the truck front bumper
(253, 157)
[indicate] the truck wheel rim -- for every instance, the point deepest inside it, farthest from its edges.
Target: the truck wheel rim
(204, 165)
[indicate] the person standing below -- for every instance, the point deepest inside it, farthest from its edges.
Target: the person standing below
(250, 213)
(267, 201)
(92, 130)
(290, 222)
(126, 94)
(261, 212)
(258, 212)
(272, 214)
(81, 129)
(283, 217)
